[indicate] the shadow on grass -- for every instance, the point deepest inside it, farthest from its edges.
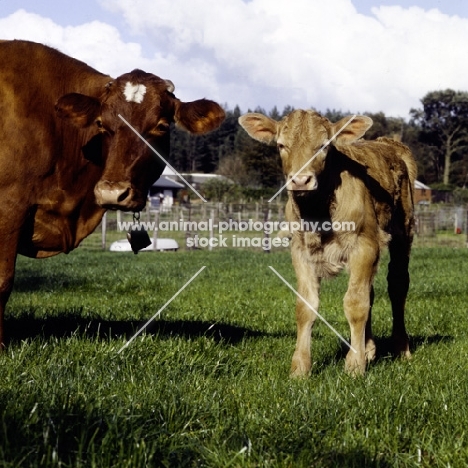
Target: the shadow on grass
(31, 282)
(23, 328)
(385, 347)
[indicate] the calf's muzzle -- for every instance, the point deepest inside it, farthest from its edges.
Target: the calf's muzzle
(302, 182)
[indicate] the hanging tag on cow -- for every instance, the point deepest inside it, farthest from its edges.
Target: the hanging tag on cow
(137, 236)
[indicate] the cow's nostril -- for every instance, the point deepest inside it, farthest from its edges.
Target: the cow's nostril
(123, 195)
(114, 195)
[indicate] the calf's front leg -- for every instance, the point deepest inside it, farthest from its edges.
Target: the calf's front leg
(308, 286)
(357, 306)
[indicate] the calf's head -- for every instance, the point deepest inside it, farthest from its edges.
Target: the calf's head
(301, 137)
(148, 104)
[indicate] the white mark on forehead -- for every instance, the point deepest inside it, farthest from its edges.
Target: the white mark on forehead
(134, 92)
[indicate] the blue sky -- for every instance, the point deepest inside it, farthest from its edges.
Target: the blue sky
(353, 55)
(449, 7)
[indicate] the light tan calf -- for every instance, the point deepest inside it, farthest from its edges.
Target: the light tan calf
(366, 184)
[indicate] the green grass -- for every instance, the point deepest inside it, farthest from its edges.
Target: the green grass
(208, 384)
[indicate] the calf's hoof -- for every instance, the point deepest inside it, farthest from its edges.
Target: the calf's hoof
(355, 365)
(299, 368)
(371, 350)
(401, 347)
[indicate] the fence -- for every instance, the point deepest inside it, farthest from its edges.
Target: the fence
(441, 225)
(436, 225)
(184, 221)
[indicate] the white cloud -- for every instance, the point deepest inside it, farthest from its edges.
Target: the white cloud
(270, 52)
(96, 43)
(101, 46)
(308, 53)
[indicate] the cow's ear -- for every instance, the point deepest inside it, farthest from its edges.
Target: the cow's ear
(350, 129)
(78, 109)
(259, 127)
(199, 117)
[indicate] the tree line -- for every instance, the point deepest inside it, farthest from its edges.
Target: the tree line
(437, 134)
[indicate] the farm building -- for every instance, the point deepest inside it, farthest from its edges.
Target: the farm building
(165, 190)
(422, 193)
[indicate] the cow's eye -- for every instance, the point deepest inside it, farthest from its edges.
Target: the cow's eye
(99, 124)
(161, 127)
(280, 146)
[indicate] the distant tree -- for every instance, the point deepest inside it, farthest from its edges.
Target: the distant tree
(202, 153)
(234, 168)
(287, 110)
(384, 126)
(262, 163)
(221, 190)
(274, 114)
(334, 115)
(427, 172)
(444, 128)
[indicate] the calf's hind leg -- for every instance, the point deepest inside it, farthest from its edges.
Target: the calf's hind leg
(370, 343)
(398, 284)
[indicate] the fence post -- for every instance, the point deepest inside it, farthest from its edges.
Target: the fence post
(103, 231)
(466, 226)
(155, 232)
(188, 234)
(266, 235)
(212, 217)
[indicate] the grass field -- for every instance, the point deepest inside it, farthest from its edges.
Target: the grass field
(208, 384)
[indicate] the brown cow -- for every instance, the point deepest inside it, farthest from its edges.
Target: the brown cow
(65, 154)
(351, 182)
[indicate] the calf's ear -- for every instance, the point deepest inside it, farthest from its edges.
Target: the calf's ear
(259, 127)
(78, 109)
(350, 129)
(200, 116)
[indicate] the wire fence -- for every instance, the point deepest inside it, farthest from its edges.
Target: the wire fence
(435, 225)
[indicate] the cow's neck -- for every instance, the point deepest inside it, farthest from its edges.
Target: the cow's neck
(64, 211)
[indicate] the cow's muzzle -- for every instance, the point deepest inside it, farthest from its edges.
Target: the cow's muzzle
(302, 182)
(117, 196)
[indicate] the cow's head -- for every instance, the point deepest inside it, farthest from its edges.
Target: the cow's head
(148, 104)
(300, 136)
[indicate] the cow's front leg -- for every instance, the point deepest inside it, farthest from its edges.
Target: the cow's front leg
(7, 272)
(308, 286)
(357, 304)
